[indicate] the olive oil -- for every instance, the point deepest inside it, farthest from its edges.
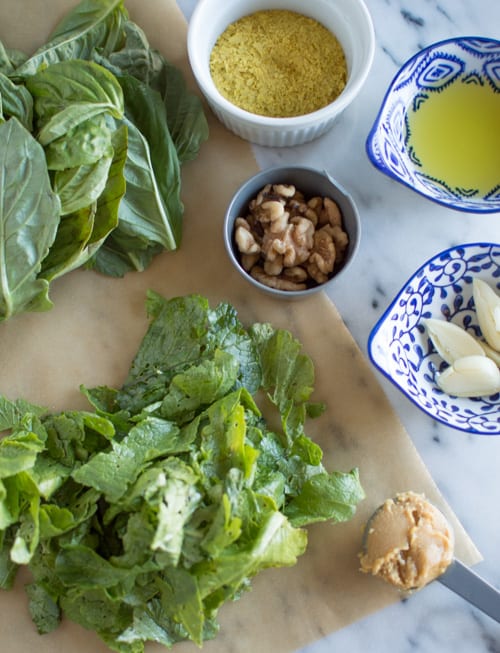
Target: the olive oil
(455, 136)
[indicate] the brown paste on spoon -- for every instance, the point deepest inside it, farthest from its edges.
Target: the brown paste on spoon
(407, 542)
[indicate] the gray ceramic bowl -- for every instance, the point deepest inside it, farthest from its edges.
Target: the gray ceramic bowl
(311, 183)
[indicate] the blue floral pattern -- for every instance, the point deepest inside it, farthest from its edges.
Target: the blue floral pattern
(399, 347)
(432, 69)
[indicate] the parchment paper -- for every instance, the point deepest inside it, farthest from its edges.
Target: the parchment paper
(96, 325)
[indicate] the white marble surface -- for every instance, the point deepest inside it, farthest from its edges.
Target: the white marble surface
(401, 230)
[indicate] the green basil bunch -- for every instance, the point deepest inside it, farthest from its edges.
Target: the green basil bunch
(94, 128)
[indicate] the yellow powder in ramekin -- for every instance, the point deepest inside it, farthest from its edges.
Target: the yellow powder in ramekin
(278, 63)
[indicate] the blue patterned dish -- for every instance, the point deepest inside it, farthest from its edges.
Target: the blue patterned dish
(465, 60)
(399, 347)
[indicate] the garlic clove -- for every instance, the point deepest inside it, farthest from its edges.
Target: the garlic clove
(470, 376)
(490, 352)
(451, 341)
(488, 311)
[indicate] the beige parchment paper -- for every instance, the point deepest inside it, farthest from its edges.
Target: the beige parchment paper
(95, 328)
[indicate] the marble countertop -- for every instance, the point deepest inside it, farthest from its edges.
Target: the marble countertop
(400, 231)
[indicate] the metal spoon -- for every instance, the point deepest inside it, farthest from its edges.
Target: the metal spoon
(473, 588)
(462, 580)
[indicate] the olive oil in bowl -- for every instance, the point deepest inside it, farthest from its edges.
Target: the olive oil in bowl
(454, 136)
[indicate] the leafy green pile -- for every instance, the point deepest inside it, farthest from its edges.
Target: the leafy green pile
(94, 128)
(140, 518)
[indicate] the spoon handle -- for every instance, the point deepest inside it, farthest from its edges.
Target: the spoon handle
(466, 583)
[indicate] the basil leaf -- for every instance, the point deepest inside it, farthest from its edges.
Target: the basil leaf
(185, 117)
(72, 92)
(73, 235)
(81, 233)
(10, 59)
(29, 215)
(16, 101)
(151, 210)
(91, 24)
(84, 144)
(79, 187)
(115, 260)
(108, 204)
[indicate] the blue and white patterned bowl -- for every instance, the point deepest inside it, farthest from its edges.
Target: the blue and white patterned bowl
(460, 60)
(399, 347)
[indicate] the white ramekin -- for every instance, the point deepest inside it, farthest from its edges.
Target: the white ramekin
(349, 20)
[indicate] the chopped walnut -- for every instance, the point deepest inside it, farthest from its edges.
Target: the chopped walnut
(274, 266)
(289, 242)
(322, 258)
(316, 204)
(323, 252)
(249, 260)
(303, 236)
(341, 241)
(246, 240)
(330, 214)
(279, 283)
(294, 243)
(284, 191)
(315, 273)
(296, 273)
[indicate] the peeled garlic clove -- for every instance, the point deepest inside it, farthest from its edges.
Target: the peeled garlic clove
(490, 352)
(488, 311)
(470, 376)
(451, 341)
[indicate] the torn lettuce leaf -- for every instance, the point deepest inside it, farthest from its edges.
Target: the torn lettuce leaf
(141, 517)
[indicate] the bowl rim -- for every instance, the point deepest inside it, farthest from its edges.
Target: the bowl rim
(377, 122)
(383, 319)
(227, 233)
(213, 95)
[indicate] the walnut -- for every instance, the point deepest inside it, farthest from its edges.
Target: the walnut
(330, 214)
(322, 258)
(275, 282)
(340, 239)
(301, 209)
(249, 260)
(295, 207)
(303, 236)
(289, 242)
(261, 197)
(315, 273)
(284, 191)
(274, 266)
(294, 243)
(316, 204)
(242, 222)
(323, 251)
(296, 273)
(246, 240)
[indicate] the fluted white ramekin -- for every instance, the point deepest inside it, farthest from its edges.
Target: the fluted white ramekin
(348, 20)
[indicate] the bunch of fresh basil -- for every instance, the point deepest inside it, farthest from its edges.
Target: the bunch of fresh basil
(94, 128)
(140, 518)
